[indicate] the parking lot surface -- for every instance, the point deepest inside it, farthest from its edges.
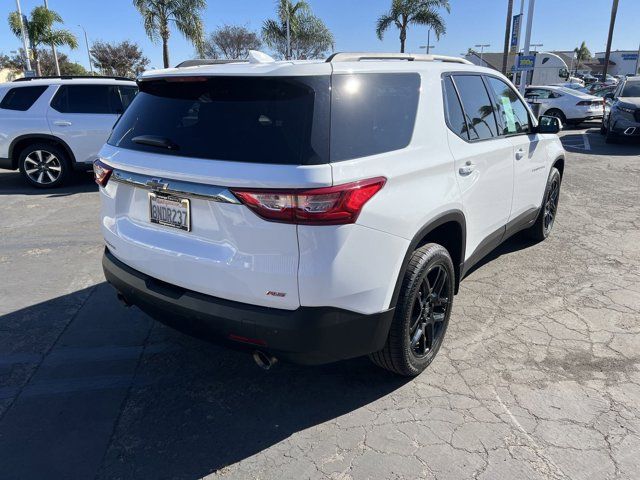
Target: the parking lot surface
(539, 375)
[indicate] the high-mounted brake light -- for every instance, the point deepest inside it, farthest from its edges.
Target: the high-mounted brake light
(337, 205)
(101, 172)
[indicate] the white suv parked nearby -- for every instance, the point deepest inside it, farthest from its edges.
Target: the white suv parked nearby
(50, 126)
(318, 211)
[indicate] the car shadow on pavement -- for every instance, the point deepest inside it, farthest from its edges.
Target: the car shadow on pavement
(517, 242)
(575, 142)
(118, 395)
(12, 183)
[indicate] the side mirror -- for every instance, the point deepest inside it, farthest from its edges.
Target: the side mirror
(548, 124)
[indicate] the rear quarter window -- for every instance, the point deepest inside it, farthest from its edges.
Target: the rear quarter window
(372, 113)
(22, 98)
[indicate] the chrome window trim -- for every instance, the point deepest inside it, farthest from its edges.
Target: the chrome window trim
(213, 193)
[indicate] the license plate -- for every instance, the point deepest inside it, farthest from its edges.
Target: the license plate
(170, 211)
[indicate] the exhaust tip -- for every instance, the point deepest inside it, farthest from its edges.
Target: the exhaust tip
(263, 360)
(123, 300)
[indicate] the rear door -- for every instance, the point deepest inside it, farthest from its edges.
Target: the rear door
(182, 146)
(483, 160)
(529, 155)
(83, 116)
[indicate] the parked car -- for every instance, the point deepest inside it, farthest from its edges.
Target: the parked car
(318, 211)
(622, 115)
(603, 91)
(571, 86)
(570, 106)
(608, 80)
(588, 79)
(55, 125)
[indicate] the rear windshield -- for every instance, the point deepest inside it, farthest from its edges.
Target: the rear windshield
(276, 120)
(245, 119)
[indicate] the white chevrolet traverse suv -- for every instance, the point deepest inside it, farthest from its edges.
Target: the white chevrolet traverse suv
(52, 125)
(317, 211)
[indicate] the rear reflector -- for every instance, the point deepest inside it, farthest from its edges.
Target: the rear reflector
(101, 172)
(337, 205)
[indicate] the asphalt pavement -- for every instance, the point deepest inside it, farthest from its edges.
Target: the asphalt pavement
(538, 378)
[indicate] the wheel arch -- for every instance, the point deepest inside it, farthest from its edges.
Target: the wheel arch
(21, 142)
(559, 164)
(449, 230)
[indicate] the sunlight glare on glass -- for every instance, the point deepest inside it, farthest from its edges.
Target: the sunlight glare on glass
(352, 86)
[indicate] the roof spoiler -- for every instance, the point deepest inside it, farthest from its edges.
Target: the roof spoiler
(409, 57)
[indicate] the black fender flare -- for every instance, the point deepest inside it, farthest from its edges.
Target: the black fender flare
(36, 137)
(449, 216)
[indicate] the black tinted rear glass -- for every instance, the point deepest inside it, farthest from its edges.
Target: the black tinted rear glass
(477, 106)
(372, 113)
(453, 110)
(276, 120)
(21, 98)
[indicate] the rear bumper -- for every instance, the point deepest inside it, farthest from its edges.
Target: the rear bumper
(307, 335)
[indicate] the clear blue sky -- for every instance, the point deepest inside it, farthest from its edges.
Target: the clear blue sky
(558, 24)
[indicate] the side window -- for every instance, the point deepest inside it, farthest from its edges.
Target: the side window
(539, 93)
(512, 112)
(22, 98)
(478, 107)
(127, 94)
(453, 110)
(97, 99)
(372, 113)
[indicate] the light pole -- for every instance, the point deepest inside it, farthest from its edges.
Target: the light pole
(612, 23)
(481, 47)
(25, 43)
(507, 33)
(637, 61)
(527, 43)
(288, 35)
(53, 46)
(533, 45)
(86, 41)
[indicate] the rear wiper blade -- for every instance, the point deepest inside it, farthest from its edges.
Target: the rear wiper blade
(155, 141)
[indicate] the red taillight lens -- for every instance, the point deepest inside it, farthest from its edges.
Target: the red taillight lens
(101, 172)
(587, 103)
(336, 205)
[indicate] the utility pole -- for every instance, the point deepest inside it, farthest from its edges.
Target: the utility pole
(428, 41)
(86, 41)
(25, 43)
(53, 46)
(481, 47)
(614, 12)
(288, 35)
(507, 34)
(527, 43)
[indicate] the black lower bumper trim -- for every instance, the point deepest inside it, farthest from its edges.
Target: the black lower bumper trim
(308, 335)
(7, 164)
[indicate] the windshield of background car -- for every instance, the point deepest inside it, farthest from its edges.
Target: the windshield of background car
(631, 89)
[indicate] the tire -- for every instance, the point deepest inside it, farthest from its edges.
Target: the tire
(554, 112)
(44, 165)
(414, 316)
(540, 230)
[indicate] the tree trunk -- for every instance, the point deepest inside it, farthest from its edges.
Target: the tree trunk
(36, 60)
(165, 50)
(403, 38)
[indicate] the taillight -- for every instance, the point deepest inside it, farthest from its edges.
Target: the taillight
(337, 205)
(101, 172)
(588, 103)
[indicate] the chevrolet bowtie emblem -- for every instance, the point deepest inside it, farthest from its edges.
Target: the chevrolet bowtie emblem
(157, 184)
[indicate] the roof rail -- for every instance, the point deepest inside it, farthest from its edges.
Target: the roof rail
(208, 61)
(72, 77)
(410, 57)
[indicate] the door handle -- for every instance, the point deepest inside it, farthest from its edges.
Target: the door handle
(62, 123)
(467, 169)
(519, 154)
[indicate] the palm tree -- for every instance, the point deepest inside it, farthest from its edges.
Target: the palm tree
(413, 12)
(309, 36)
(582, 54)
(184, 14)
(40, 31)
